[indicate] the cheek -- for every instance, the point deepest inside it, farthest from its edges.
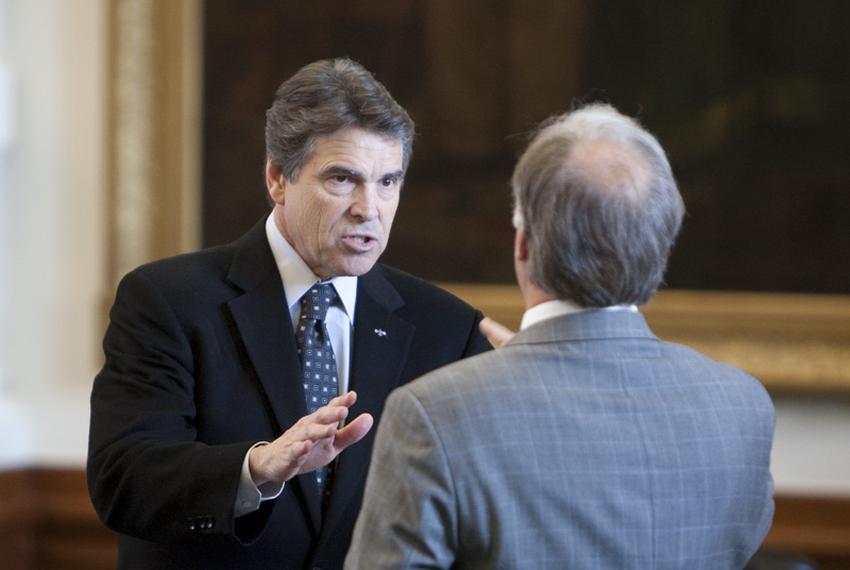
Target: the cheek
(388, 211)
(300, 221)
(329, 220)
(307, 226)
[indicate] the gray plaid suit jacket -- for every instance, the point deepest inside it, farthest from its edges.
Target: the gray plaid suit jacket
(586, 442)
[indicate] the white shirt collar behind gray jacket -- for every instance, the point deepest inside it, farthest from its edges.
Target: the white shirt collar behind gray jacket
(557, 308)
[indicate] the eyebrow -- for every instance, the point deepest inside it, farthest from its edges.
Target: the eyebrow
(394, 174)
(336, 170)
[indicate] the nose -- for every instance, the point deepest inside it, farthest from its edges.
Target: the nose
(364, 203)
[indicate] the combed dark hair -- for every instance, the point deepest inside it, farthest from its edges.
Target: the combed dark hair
(324, 97)
(597, 239)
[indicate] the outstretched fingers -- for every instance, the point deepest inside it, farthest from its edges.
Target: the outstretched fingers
(314, 440)
(346, 400)
(353, 432)
(328, 415)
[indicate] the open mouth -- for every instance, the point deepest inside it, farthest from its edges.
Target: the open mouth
(360, 242)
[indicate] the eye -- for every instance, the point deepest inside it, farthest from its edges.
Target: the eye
(389, 181)
(340, 183)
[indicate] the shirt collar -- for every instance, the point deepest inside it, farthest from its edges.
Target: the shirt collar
(558, 308)
(298, 277)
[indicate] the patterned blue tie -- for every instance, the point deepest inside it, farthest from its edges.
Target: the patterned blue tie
(318, 364)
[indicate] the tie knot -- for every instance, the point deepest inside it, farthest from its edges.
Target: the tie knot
(317, 299)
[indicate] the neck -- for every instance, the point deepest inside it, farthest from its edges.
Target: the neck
(532, 295)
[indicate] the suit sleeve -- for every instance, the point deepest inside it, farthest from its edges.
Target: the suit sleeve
(408, 518)
(147, 475)
(477, 342)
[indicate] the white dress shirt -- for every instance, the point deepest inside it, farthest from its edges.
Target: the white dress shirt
(552, 309)
(297, 278)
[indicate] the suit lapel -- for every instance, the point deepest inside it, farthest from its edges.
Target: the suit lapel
(262, 319)
(379, 351)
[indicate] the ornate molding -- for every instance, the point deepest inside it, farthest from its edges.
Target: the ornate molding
(154, 130)
(791, 342)
(133, 159)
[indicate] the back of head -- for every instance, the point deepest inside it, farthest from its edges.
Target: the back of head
(597, 199)
(324, 97)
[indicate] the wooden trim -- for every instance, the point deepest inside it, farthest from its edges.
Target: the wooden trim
(815, 526)
(17, 548)
(177, 66)
(154, 131)
(791, 342)
(47, 521)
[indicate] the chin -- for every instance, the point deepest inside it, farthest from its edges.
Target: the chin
(358, 267)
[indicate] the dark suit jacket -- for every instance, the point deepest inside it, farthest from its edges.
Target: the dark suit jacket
(201, 364)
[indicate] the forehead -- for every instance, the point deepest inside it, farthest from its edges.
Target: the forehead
(358, 146)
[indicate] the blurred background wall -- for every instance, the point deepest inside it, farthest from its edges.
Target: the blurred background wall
(132, 129)
(750, 99)
(53, 157)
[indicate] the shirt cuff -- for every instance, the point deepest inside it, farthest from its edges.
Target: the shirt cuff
(249, 495)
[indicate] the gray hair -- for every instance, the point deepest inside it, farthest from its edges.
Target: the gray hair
(597, 199)
(324, 97)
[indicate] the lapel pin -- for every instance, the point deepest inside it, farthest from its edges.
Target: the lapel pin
(380, 332)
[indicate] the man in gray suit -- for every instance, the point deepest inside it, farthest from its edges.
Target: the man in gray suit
(584, 442)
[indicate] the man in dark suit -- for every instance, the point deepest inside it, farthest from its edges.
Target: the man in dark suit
(584, 442)
(232, 375)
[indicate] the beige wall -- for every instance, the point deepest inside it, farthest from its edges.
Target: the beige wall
(52, 217)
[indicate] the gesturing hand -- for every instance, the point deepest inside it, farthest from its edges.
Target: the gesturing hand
(495, 332)
(315, 440)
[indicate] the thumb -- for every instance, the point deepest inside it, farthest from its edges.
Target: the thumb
(353, 432)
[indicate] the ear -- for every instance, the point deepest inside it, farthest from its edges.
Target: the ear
(521, 262)
(275, 182)
(520, 245)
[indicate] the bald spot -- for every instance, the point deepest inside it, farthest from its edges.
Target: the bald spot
(612, 166)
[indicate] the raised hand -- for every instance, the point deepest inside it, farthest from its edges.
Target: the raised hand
(315, 440)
